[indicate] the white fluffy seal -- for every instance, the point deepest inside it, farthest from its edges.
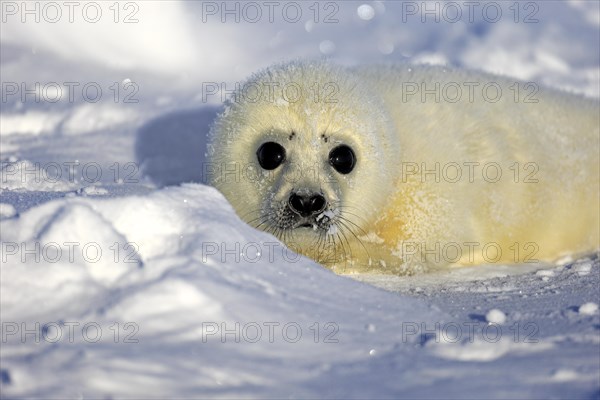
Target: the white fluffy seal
(396, 169)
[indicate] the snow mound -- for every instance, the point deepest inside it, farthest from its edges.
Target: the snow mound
(172, 285)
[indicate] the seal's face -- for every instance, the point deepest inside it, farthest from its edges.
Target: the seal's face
(307, 169)
(308, 206)
(299, 182)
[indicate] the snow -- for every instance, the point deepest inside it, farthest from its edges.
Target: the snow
(124, 276)
(365, 11)
(588, 308)
(495, 316)
(7, 210)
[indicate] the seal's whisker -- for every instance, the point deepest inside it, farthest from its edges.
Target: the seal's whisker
(320, 242)
(355, 236)
(246, 214)
(341, 230)
(362, 231)
(350, 213)
(344, 251)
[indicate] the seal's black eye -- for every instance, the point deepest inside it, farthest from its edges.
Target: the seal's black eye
(270, 155)
(342, 158)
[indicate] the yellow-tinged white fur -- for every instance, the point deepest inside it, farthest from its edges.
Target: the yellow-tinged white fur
(396, 219)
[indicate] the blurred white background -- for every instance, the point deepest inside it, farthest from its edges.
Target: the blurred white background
(176, 45)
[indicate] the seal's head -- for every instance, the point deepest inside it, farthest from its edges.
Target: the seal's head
(304, 150)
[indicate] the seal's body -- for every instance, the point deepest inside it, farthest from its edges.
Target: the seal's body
(400, 168)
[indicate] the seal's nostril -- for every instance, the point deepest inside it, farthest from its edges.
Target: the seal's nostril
(297, 204)
(317, 203)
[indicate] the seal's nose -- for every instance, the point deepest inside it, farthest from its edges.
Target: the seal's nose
(307, 205)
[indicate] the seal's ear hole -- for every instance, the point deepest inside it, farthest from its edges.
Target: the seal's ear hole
(343, 159)
(270, 155)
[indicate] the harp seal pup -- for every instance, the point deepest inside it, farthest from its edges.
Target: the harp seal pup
(401, 168)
